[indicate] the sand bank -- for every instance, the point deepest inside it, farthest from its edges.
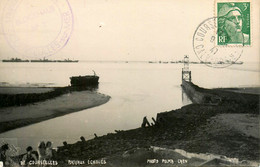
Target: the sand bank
(22, 90)
(14, 117)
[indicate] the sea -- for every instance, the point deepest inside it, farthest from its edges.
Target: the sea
(137, 89)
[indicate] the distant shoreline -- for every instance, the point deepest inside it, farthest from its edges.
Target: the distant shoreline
(17, 60)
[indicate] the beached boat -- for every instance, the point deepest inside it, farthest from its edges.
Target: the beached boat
(88, 80)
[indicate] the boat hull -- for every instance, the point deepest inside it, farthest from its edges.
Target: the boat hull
(84, 81)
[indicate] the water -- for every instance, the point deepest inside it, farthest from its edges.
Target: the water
(137, 90)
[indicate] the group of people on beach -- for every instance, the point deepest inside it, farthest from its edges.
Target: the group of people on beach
(44, 152)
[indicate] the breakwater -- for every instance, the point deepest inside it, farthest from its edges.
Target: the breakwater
(220, 96)
(199, 95)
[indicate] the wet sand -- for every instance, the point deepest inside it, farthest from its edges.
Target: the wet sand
(14, 117)
(246, 124)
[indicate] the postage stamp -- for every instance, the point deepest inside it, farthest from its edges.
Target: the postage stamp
(37, 28)
(233, 22)
(206, 49)
(218, 41)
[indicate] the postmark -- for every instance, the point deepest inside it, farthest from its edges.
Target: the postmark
(233, 23)
(206, 49)
(36, 28)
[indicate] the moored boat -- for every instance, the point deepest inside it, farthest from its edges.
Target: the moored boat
(88, 80)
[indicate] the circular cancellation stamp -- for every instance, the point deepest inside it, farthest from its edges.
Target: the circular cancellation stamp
(208, 51)
(36, 28)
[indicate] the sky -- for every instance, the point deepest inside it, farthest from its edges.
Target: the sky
(108, 30)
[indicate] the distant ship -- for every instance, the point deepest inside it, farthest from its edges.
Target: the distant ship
(43, 60)
(53, 61)
(67, 61)
(15, 60)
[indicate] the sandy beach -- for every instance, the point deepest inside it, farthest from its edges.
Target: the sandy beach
(18, 116)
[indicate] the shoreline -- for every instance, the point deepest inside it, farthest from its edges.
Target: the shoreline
(229, 128)
(197, 129)
(19, 116)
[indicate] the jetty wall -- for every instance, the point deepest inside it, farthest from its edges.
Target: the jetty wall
(193, 93)
(212, 101)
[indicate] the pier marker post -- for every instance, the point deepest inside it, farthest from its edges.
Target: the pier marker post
(186, 73)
